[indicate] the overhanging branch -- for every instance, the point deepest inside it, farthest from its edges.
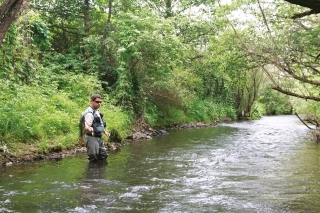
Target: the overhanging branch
(306, 13)
(313, 5)
(293, 94)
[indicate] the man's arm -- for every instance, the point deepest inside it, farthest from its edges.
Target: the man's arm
(88, 121)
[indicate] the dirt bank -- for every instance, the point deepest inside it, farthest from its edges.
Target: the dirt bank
(9, 159)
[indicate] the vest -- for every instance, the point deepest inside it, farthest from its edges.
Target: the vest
(98, 123)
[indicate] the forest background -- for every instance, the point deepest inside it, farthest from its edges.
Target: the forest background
(158, 62)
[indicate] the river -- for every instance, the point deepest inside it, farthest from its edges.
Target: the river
(268, 165)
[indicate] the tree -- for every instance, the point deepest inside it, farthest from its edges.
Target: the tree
(290, 55)
(287, 50)
(9, 12)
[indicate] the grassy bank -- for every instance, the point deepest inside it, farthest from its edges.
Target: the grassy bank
(42, 118)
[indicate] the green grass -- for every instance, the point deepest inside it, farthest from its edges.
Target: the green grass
(46, 116)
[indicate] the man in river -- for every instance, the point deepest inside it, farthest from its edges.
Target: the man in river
(94, 129)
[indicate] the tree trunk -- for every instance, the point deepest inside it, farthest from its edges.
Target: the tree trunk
(108, 60)
(168, 9)
(87, 31)
(86, 17)
(10, 10)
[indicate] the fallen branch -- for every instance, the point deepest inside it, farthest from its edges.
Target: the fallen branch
(302, 121)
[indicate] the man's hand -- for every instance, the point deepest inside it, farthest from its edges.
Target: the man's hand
(106, 133)
(89, 129)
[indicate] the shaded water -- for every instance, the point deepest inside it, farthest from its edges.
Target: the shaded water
(254, 166)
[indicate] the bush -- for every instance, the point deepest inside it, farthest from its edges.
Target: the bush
(207, 111)
(199, 110)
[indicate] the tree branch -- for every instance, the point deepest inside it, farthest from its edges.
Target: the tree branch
(303, 14)
(314, 5)
(302, 121)
(293, 94)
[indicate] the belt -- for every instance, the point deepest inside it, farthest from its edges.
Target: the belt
(95, 135)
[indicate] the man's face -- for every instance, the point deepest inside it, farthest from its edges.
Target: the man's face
(96, 103)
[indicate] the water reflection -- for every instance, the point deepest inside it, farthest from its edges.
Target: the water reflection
(94, 176)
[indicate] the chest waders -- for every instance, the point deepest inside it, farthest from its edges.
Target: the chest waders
(93, 141)
(95, 148)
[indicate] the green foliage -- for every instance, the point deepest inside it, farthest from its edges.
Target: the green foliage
(224, 68)
(118, 122)
(197, 111)
(307, 107)
(154, 62)
(40, 34)
(16, 64)
(61, 63)
(171, 116)
(147, 54)
(21, 48)
(69, 9)
(151, 114)
(48, 115)
(276, 103)
(209, 111)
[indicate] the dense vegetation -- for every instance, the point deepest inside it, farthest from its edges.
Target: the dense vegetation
(158, 62)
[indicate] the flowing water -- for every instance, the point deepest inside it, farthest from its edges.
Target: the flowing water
(269, 165)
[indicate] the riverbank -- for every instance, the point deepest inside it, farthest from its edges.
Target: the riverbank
(29, 153)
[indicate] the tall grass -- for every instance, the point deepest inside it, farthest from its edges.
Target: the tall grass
(198, 111)
(208, 111)
(47, 115)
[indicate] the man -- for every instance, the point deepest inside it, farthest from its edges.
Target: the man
(94, 129)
